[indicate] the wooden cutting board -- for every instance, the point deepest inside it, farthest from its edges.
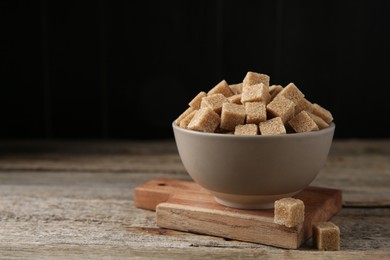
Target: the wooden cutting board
(185, 206)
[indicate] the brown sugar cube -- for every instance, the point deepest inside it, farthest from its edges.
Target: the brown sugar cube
(322, 112)
(248, 129)
(326, 236)
(255, 93)
(289, 212)
(274, 90)
(183, 115)
(303, 123)
(236, 88)
(253, 78)
(291, 92)
(232, 115)
(221, 88)
(203, 103)
(214, 102)
(185, 121)
(236, 99)
(255, 112)
(195, 102)
(204, 120)
(318, 120)
(281, 107)
(273, 126)
(303, 104)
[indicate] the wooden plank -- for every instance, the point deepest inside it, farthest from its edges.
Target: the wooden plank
(149, 194)
(76, 251)
(188, 207)
(203, 220)
(79, 215)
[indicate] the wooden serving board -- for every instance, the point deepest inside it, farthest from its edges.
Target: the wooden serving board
(185, 206)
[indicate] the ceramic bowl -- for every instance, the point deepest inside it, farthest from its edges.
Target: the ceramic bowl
(251, 172)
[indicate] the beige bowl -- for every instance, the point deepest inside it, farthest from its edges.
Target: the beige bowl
(251, 172)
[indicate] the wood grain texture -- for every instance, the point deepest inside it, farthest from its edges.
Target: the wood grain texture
(99, 156)
(185, 206)
(232, 225)
(361, 169)
(71, 212)
(210, 252)
(95, 214)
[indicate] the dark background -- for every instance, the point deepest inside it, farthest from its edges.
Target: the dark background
(127, 69)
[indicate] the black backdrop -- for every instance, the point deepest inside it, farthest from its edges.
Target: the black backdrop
(126, 69)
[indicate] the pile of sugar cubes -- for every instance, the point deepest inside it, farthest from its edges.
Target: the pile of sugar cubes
(290, 212)
(252, 108)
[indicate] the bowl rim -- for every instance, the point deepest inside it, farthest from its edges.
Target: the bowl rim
(327, 130)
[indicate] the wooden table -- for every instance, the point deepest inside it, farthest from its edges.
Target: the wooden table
(75, 200)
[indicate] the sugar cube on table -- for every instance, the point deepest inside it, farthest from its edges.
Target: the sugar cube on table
(232, 115)
(273, 126)
(221, 88)
(303, 123)
(247, 129)
(204, 120)
(326, 236)
(289, 212)
(255, 112)
(281, 107)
